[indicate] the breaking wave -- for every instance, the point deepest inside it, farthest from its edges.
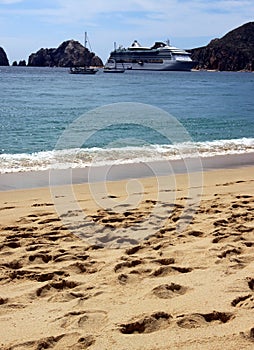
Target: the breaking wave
(84, 157)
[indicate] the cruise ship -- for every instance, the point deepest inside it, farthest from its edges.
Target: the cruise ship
(160, 57)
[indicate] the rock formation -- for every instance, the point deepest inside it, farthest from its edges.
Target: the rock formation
(233, 52)
(21, 63)
(3, 58)
(69, 54)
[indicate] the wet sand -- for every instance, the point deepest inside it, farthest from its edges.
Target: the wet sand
(154, 264)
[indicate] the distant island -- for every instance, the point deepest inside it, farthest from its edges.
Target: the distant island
(233, 52)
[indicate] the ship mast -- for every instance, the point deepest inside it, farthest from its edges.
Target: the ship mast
(87, 42)
(85, 39)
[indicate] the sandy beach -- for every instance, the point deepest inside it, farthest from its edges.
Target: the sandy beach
(130, 266)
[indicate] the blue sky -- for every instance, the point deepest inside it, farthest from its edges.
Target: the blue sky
(28, 25)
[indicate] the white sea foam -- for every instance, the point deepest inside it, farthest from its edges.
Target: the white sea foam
(78, 158)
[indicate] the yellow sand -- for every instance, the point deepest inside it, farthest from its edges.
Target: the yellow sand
(187, 282)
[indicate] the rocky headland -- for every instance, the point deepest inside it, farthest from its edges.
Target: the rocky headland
(3, 58)
(233, 52)
(69, 54)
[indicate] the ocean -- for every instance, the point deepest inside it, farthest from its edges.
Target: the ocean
(52, 119)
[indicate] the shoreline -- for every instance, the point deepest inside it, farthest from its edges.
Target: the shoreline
(59, 177)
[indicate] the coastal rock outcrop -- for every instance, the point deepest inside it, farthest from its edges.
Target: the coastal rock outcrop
(21, 63)
(3, 58)
(69, 54)
(233, 52)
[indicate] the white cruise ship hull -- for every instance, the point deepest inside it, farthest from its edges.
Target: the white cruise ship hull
(165, 66)
(159, 57)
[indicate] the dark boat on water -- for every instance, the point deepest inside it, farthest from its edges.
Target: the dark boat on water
(85, 69)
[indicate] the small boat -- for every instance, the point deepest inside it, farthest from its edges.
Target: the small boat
(85, 69)
(113, 68)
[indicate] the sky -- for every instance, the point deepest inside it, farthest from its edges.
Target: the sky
(28, 25)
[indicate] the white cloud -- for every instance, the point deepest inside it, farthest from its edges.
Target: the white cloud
(65, 11)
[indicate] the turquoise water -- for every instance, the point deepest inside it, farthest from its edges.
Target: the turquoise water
(216, 109)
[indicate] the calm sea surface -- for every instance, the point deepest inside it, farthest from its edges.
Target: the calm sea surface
(214, 112)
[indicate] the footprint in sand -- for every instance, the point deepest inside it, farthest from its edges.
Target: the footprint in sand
(14, 264)
(63, 341)
(89, 321)
(35, 276)
(65, 255)
(40, 257)
(251, 334)
(133, 250)
(123, 278)
(147, 324)
(13, 244)
(195, 233)
(42, 205)
(250, 282)
(245, 302)
(166, 270)
(129, 263)
(221, 223)
(229, 252)
(7, 208)
(198, 320)
(221, 237)
(48, 221)
(167, 291)
(145, 266)
(82, 267)
(51, 288)
(164, 261)
(3, 301)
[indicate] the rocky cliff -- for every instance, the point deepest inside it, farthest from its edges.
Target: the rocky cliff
(69, 54)
(3, 58)
(233, 52)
